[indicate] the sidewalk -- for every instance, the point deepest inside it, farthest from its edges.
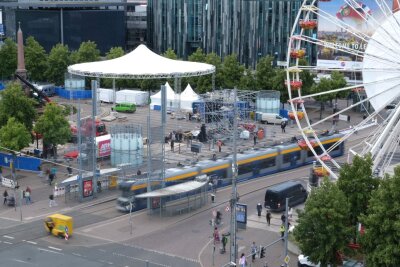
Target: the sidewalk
(39, 208)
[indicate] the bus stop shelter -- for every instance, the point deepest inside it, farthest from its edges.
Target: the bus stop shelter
(178, 199)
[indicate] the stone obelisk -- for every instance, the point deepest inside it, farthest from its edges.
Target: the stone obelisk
(21, 71)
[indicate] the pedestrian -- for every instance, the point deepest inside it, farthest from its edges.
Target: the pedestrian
(27, 197)
(242, 260)
(259, 209)
(268, 216)
(51, 178)
(47, 173)
(253, 251)
(172, 145)
(52, 202)
(219, 145)
(40, 174)
(216, 235)
(139, 172)
(290, 213)
(282, 231)
(224, 242)
(255, 139)
(69, 170)
(190, 116)
(283, 126)
(5, 195)
(283, 218)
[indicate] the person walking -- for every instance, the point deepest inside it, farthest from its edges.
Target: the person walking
(51, 178)
(290, 213)
(139, 172)
(242, 260)
(259, 209)
(40, 174)
(69, 170)
(255, 139)
(282, 231)
(216, 235)
(283, 126)
(5, 195)
(253, 252)
(28, 193)
(52, 202)
(268, 216)
(283, 218)
(219, 145)
(224, 242)
(172, 145)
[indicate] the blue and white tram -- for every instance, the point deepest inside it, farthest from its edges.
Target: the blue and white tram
(252, 163)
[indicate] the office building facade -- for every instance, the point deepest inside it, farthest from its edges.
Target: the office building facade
(250, 29)
(108, 23)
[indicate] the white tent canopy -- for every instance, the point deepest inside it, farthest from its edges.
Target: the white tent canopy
(141, 63)
(188, 96)
(171, 97)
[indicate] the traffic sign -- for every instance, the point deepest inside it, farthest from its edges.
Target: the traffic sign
(286, 259)
(227, 209)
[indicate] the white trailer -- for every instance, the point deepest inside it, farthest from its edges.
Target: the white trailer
(106, 95)
(139, 98)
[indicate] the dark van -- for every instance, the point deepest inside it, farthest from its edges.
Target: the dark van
(275, 196)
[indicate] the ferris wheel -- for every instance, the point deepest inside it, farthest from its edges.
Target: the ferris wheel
(361, 40)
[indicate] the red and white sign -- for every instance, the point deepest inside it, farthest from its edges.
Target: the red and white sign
(103, 144)
(227, 209)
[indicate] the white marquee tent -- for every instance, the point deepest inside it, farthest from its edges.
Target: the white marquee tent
(141, 63)
(171, 98)
(188, 96)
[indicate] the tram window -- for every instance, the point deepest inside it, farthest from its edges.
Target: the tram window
(289, 156)
(327, 146)
(245, 168)
(318, 150)
(267, 163)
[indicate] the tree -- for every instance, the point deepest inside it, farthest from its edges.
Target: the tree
(357, 182)
(115, 52)
(265, 73)
(232, 71)
(323, 86)
(215, 60)
(58, 64)
(306, 77)
(170, 53)
(382, 225)
(322, 228)
(248, 82)
(14, 135)
(278, 84)
(53, 126)
(36, 60)
(87, 52)
(14, 103)
(197, 56)
(8, 59)
(338, 81)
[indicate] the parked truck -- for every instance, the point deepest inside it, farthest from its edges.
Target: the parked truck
(86, 129)
(103, 149)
